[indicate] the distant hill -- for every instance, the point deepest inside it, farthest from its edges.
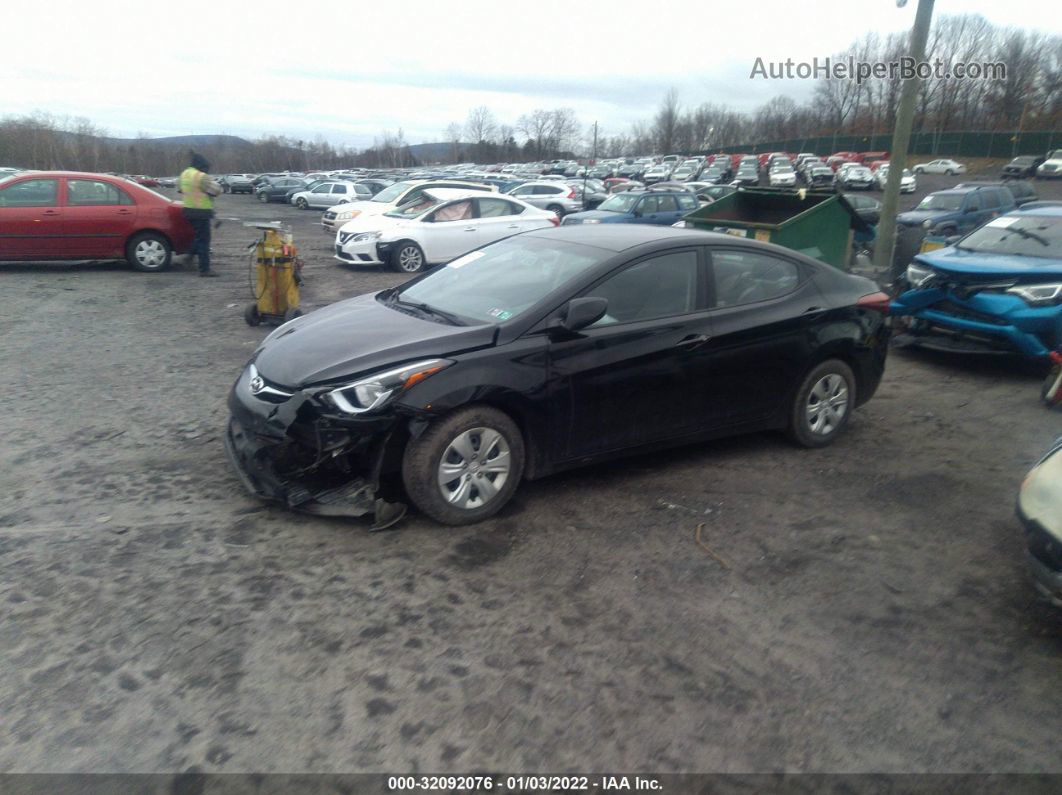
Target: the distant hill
(433, 153)
(185, 142)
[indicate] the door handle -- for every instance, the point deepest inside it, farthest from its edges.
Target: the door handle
(470, 229)
(692, 341)
(514, 226)
(813, 311)
(50, 212)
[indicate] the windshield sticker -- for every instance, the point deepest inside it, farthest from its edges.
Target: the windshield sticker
(460, 262)
(500, 314)
(1001, 221)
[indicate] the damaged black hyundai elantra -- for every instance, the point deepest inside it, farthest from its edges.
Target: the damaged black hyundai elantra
(545, 351)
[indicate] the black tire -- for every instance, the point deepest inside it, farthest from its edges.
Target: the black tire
(251, 315)
(291, 314)
(424, 456)
(949, 172)
(801, 429)
(556, 208)
(919, 170)
(149, 252)
(407, 257)
(302, 204)
(263, 197)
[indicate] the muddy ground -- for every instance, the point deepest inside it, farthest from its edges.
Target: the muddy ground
(874, 613)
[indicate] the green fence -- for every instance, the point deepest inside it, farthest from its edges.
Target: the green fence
(969, 143)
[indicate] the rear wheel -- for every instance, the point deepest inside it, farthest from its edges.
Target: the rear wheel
(466, 467)
(263, 197)
(822, 404)
(950, 172)
(149, 252)
(556, 208)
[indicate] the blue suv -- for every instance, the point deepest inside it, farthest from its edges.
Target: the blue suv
(997, 289)
(638, 207)
(957, 211)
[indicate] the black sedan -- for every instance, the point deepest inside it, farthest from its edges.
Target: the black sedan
(1021, 167)
(276, 189)
(546, 351)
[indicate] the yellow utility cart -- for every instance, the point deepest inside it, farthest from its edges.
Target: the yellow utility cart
(275, 276)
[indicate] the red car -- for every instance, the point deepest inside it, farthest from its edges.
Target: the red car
(70, 215)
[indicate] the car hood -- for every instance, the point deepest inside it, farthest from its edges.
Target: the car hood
(981, 264)
(357, 336)
(365, 207)
(1056, 163)
(373, 223)
(912, 217)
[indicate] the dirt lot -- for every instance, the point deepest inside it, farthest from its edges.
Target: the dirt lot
(874, 615)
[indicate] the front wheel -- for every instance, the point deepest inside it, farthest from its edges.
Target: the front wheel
(149, 252)
(466, 467)
(302, 204)
(823, 404)
(262, 197)
(407, 258)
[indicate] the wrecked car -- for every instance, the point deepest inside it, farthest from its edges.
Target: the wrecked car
(544, 351)
(1040, 512)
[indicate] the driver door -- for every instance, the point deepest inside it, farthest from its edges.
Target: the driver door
(451, 231)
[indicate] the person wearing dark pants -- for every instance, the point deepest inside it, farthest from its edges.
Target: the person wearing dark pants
(199, 190)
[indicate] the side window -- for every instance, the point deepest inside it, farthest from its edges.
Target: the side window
(648, 205)
(973, 202)
(666, 204)
(457, 211)
(494, 208)
(322, 189)
(663, 286)
(412, 196)
(545, 190)
(687, 202)
(339, 189)
(92, 193)
(522, 191)
(744, 277)
(30, 193)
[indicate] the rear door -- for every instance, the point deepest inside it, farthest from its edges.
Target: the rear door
(500, 218)
(451, 231)
(98, 218)
(31, 219)
(764, 310)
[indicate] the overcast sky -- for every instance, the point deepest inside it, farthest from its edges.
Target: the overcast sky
(348, 69)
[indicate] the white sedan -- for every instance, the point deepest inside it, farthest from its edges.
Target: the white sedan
(329, 194)
(439, 226)
(948, 167)
(782, 177)
(908, 181)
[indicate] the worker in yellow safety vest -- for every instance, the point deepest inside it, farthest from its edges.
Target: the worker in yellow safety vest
(199, 190)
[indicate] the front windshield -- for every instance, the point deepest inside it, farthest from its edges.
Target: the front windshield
(941, 201)
(503, 280)
(414, 208)
(388, 195)
(619, 202)
(1029, 236)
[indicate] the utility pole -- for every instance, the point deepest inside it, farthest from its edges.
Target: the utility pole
(593, 159)
(901, 139)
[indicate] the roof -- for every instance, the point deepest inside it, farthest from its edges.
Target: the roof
(1048, 208)
(618, 237)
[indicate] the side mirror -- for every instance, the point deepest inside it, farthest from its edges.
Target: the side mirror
(580, 313)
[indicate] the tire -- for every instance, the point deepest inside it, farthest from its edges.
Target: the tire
(949, 172)
(438, 453)
(291, 314)
(831, 381)
(302, 204)
(251, 315)
(407, 257)
(556, 208)
(262, 197)
(149, 252)
(920, 170)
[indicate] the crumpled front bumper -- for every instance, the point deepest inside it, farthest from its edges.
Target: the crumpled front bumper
(260, 431)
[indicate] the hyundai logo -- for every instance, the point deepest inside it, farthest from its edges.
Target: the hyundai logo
(257, 384)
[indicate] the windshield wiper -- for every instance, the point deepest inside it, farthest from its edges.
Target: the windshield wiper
(1027, 235)
(427, 309)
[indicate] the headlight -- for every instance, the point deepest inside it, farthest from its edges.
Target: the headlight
(1039, 294)
(366, 236)
(927, 224)
(916, 274)
(372, 392)
(346, 215)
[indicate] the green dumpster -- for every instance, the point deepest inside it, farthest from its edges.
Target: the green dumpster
(819, 224)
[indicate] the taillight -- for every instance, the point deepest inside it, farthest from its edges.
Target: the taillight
(554, 220)
(877, 302)
(571, 193)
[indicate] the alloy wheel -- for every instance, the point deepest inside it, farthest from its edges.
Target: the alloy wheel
(410, 259)
(827, 404)
(474, 468)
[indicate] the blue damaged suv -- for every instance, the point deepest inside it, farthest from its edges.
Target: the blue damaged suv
(999, 288)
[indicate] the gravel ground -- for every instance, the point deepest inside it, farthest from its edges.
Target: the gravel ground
(873, 613)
